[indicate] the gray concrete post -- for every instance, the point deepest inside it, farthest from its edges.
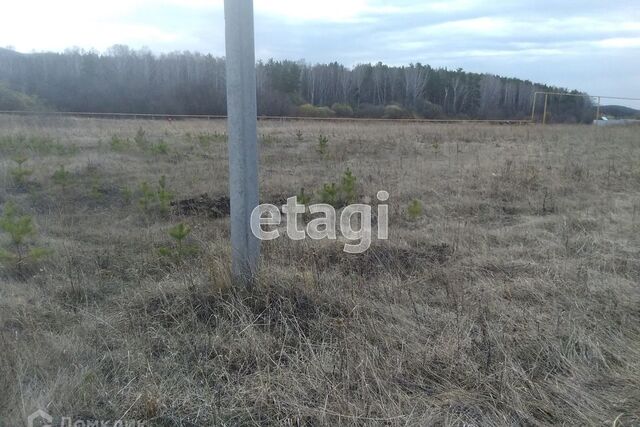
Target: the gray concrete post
(243, 140)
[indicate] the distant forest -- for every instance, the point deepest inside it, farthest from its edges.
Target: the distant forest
(123, 80)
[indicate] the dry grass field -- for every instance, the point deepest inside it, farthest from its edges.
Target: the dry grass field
(512, 298)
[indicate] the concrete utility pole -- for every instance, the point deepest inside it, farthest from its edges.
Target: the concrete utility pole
(533, 108)
(243, 140)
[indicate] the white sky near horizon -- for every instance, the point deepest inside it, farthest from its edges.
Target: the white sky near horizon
(586, 45)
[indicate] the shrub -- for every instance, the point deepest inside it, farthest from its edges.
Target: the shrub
(370, 111)
(19, 101)
(308, 110)
(342, 110)
(396, 112)
(428, 109)
(325, 112)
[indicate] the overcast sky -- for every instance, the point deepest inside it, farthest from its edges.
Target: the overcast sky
(584, 44)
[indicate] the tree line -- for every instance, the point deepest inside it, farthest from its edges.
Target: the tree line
(122, 80)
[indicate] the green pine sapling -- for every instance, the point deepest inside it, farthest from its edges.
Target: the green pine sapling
(164, 196)
(348, 188)
(323, 145)
(415, 209)
(141, 139)
(61, 177)
(329, 194)
(19, 228)
(20, 173)
(118, 144)
(161, 148)
(159, 199)
(303, 198)
(147, 197)
(178, 233)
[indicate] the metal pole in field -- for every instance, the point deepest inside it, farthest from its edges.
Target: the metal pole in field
(533, 108)
(598, 109)
(544, 115)
(243, 140)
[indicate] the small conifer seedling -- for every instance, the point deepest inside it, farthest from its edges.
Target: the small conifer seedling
(415, 209)
(19, 228)
(323, 145)
(61, 177)
(329, 194)
(348, 187)
(178, 233)
(20, 174)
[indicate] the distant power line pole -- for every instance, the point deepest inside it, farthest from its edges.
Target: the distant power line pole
(243, 140)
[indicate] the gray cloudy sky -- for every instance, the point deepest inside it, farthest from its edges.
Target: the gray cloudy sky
(588, 45)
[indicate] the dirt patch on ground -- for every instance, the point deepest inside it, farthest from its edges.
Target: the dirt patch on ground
(203, 205)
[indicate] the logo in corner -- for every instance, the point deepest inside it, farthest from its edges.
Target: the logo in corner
(39, 415)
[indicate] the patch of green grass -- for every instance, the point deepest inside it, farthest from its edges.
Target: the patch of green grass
(206, 139)
(160, 148)
(269, 139)
(41, 145)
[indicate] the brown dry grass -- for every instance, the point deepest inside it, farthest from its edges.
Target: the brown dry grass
(514, 300)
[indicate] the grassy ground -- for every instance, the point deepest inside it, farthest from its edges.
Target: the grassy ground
(511, 299)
